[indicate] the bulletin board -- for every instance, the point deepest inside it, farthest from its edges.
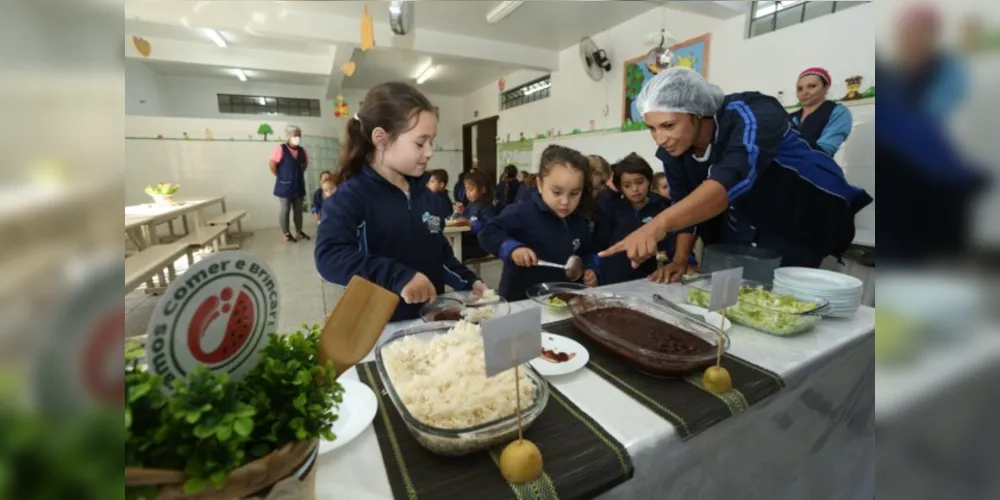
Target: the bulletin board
(691, 53)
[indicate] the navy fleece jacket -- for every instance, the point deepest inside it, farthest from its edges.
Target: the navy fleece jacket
(386, 237)
(531, 224)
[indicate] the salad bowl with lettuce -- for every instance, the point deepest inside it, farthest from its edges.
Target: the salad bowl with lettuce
(760, 308)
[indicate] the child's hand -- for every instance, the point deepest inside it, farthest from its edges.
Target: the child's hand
(459, 208)
(478, 289)
(589, 278)
(418, 290)
(524, 257)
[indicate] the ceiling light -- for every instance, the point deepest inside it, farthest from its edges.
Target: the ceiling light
(262, 101)
(536, 87)
(216, 37)
(241, 75)
(425, 74)
(502, 10)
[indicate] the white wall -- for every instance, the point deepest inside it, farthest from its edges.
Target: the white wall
(143, 94)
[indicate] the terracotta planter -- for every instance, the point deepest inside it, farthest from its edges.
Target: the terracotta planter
(285, 474)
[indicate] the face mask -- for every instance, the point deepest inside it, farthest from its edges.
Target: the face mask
(294, 141)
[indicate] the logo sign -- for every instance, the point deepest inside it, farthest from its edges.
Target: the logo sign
(80, 364)
(217, 315)
(512, 340)
(725, 288)
(433, 222)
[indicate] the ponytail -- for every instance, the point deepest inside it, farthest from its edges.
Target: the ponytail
(393, 107)
(355, 151)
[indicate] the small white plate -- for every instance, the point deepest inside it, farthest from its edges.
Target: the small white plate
(711, 318)
(558, 343)
(355, 414)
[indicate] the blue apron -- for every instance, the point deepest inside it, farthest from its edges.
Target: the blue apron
(291, 180)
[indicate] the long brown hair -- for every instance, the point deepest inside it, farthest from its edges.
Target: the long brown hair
(479, 180)
(509, 178)
(393, 106)
(558, 155)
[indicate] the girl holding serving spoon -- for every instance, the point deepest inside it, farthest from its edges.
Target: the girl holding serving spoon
(535, 237)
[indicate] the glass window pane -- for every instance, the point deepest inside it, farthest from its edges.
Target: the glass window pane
(817, 9)
(762, 9)
(846, 5)
(761, 26)
(789, 17)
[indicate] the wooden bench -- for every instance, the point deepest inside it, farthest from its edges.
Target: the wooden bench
(225, 219)
(150, 262)
(202, 237)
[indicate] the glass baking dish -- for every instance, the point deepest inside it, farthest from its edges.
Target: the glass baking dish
(772, 319)
(645, 358)
(471, 439)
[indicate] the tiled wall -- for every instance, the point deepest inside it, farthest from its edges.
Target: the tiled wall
(857, 156)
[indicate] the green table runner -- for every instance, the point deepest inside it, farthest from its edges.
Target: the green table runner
(681, 401)
(581, 459)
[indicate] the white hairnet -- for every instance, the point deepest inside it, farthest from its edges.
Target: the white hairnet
(680, 90)
(290, 128)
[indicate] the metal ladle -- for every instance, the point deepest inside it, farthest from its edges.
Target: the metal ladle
(573, 267)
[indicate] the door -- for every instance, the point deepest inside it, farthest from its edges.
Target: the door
(479, 141)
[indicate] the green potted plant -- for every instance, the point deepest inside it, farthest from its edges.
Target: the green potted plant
(163, 193)
(215, 438)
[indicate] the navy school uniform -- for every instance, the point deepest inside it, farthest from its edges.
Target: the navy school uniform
(616, 219)
(502, 195)
(317, 201)
(386, 237)
(290, 181)
(533, 225)
(479, 214)
(444, 196)
(524, 193)
(784, 195)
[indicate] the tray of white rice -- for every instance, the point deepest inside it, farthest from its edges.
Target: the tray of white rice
(435, 375)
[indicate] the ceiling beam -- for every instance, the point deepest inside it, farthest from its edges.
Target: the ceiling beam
(283, 20)
(342, 54)
(169, 50)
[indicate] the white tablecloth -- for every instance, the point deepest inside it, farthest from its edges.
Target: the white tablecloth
(815, 439)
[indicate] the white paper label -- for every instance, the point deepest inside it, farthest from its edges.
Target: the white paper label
(725, 288)
(512, 340)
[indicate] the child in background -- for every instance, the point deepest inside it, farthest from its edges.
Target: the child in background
(522, 176)
(317, 200)
(327, 188)
(438, 183)
(600, 174)
(528, 188)
(383, 227)
(636, 206)
(478, 212)
(507, 188)
(550, 226)
(660, 185)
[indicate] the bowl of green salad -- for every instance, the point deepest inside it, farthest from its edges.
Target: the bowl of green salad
(761, 308)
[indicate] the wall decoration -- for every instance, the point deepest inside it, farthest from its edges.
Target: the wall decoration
(159, 136)
(348, 68)
(263, 130)
(591, 126)
(142, 45)
(853, 88)
(501, 84)
(367, 31)
(340, 109)
(208, 134)
(186, 136)
(693, 53)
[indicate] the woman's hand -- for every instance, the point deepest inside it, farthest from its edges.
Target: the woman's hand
(641, 244)
(418, 290)
(524, 257)
(589, 278)
(670, 273)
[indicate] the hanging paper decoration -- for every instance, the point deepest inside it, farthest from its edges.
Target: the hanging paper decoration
(348, 68)
(367, 31)
(142, 45)
(340, 110)
(501, 84)
(853, 88)
(264, 129)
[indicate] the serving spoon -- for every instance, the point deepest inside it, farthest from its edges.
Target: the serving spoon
(573, 267)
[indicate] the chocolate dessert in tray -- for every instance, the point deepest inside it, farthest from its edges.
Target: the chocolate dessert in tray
(651, 338)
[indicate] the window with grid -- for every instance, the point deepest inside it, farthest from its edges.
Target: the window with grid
(766, 17)
(524, 94)
(264, 105)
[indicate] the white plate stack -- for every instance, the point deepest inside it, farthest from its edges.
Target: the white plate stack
(844, 292)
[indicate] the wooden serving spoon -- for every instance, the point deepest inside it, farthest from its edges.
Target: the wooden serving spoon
(356, 323)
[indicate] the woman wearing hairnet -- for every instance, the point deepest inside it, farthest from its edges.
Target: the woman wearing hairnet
(739, 174)
(288, 164)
